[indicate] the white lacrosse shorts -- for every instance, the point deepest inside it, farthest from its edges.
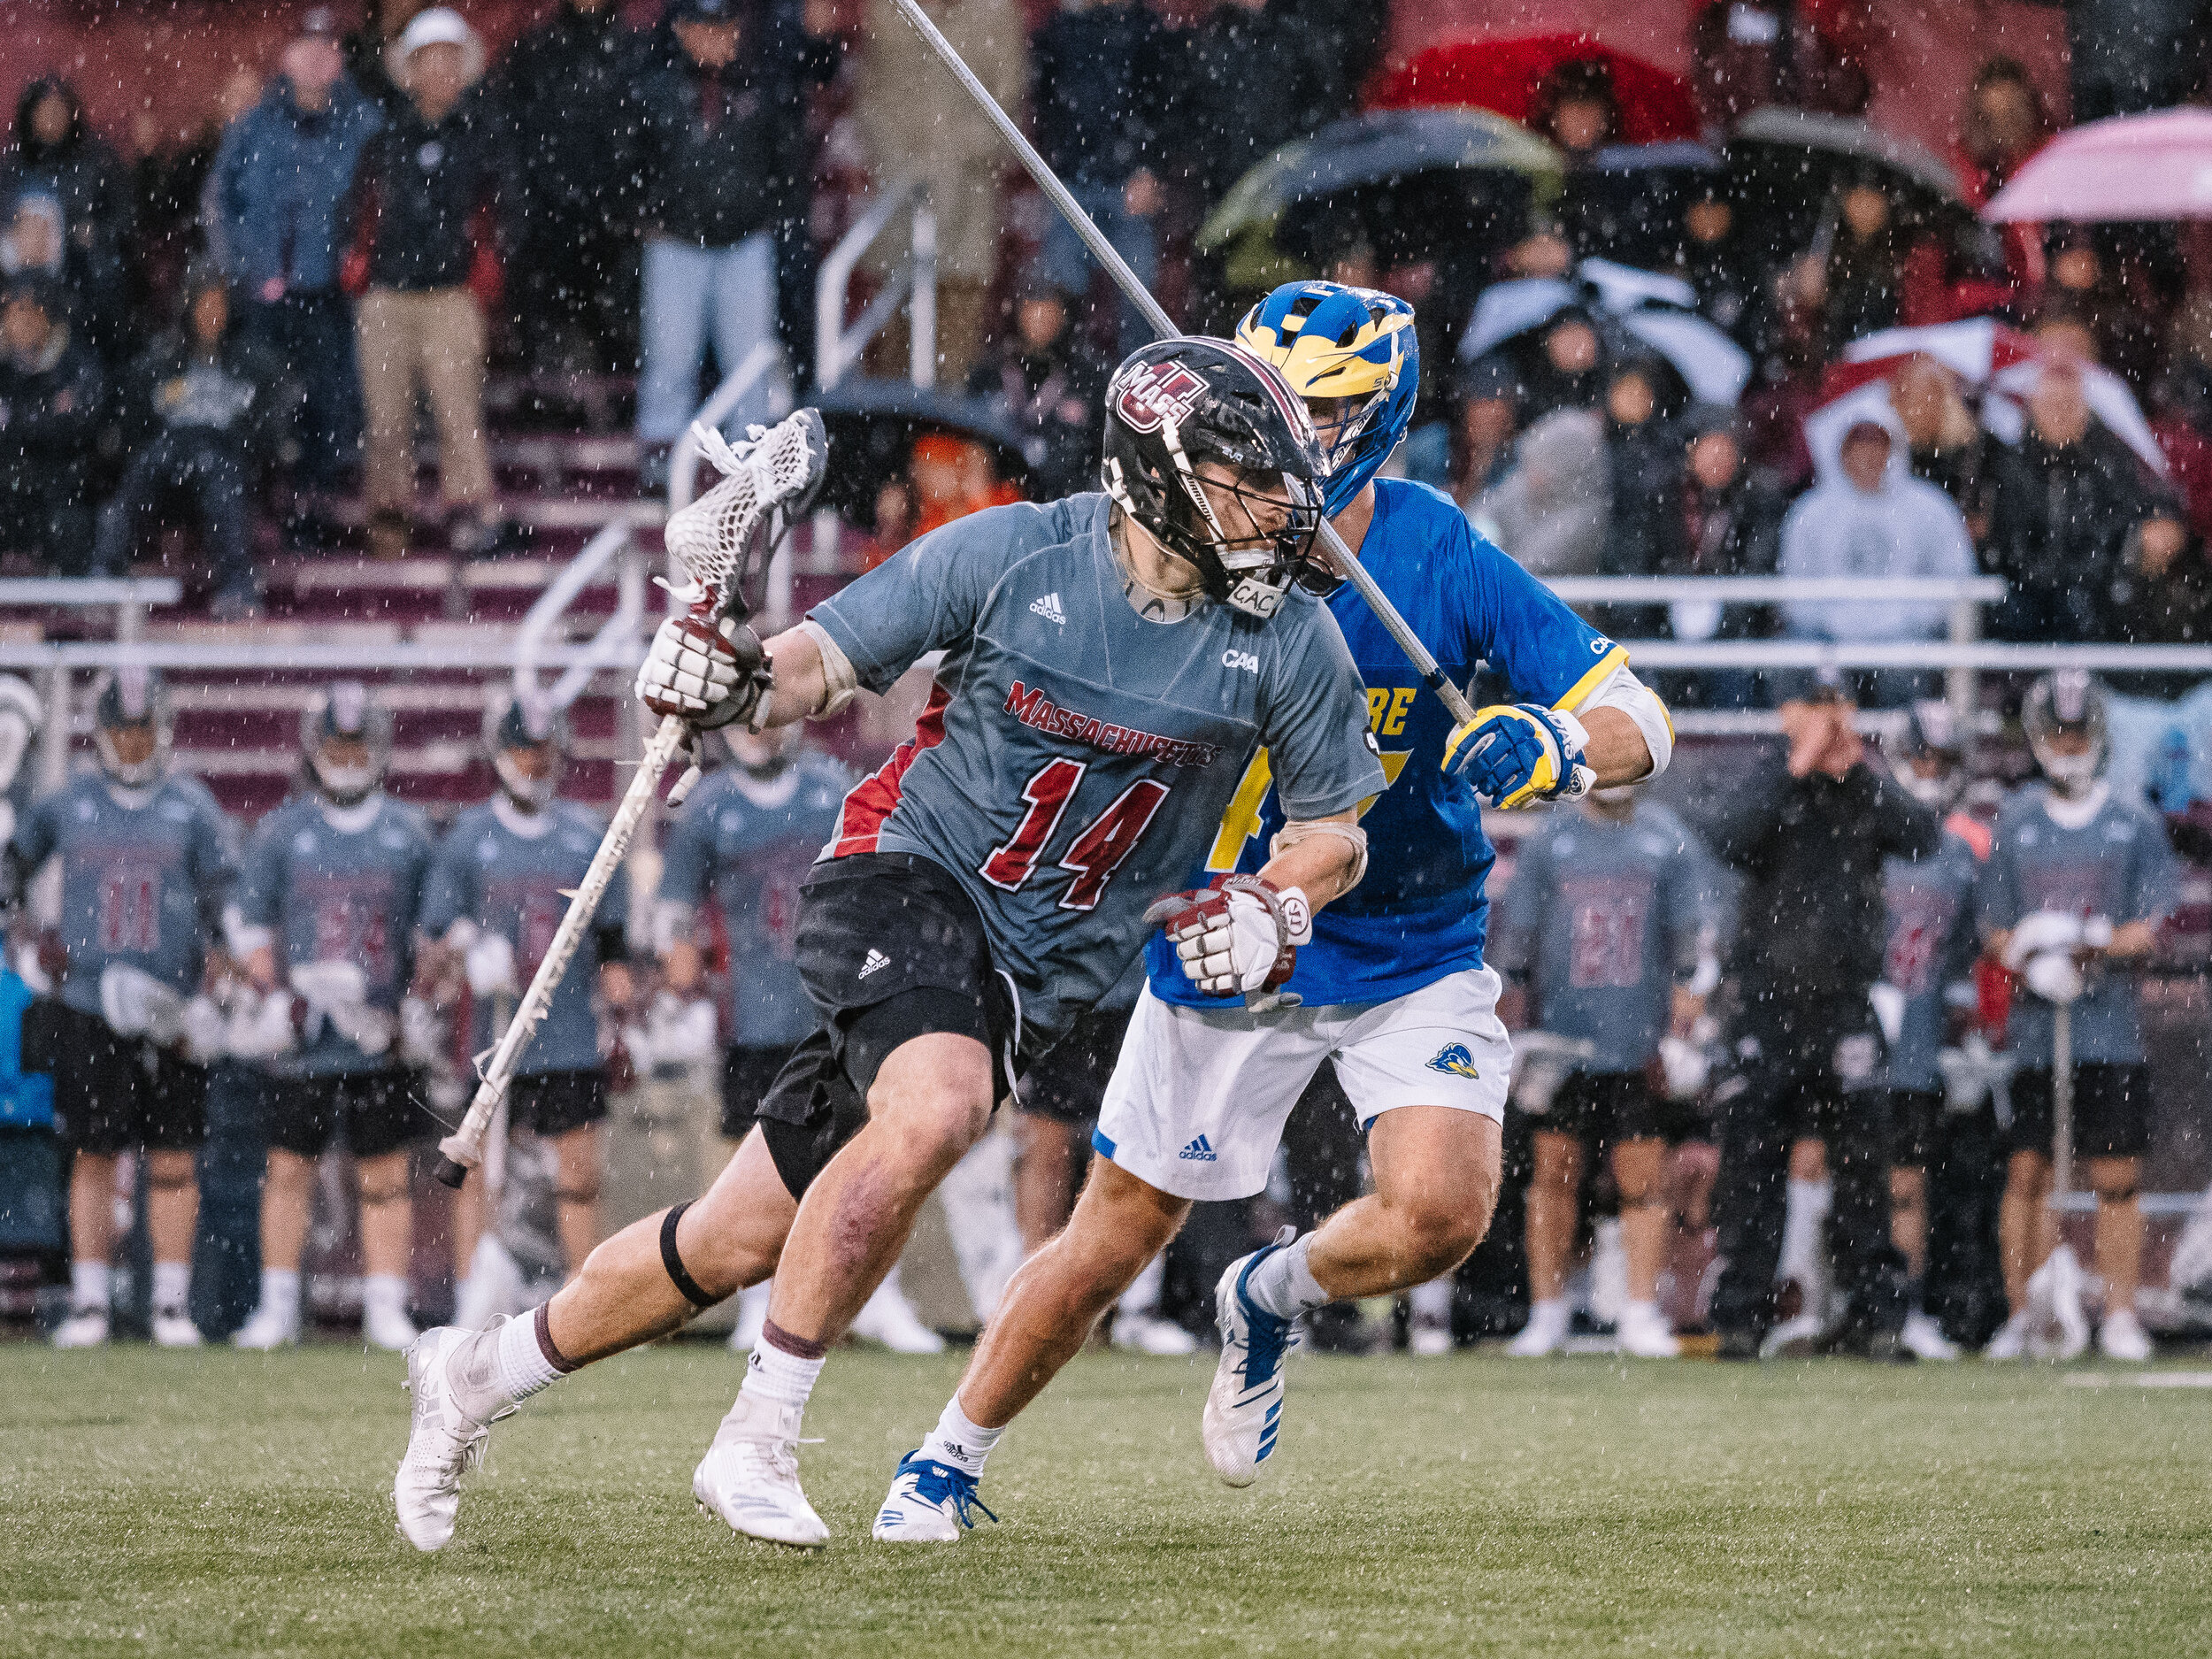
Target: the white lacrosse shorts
(1198, 1099)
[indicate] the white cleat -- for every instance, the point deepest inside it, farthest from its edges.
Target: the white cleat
(752, 1315)
(1793, 1338)
(1427, 1339)
(1244, 1407)
(85, 1328)
(388, 1328)
(1546, 1331)
(1148, 1333)
(2071, 1340)
(173, 1327)
(928, 1503)
(888, 1318)
(1644, 1333)
(2122, 1337)
(267, 1329)
(1924, 1338)
(2011, 1341)
(444, 1442)
(750, 1477)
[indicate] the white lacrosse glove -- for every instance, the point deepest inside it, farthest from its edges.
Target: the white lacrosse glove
(339, 993)
(676, 1031)
(136, 1004)
(708, 674)
(1238, 937)
(2054, 975)
(1686, 1066)
(422, 1034)
(206, 1031)
(261, 1027)
(490, 965)
(2039, 931)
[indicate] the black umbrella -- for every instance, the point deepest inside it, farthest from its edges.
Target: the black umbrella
(872, 425)
(1787, 163)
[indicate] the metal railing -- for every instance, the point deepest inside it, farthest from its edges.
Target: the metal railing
(617, 632)
(836, 347)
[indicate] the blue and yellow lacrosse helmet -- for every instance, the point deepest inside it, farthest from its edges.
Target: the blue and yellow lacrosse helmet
(1329, 341)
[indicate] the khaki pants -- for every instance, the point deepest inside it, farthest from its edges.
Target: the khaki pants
(433, 340)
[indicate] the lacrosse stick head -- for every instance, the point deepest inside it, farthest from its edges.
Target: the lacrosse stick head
(768, 482)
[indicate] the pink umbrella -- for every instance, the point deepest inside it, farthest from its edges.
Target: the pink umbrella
(2133, 166)
(1998, 362)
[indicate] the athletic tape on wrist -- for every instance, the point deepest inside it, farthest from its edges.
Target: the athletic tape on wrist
(1292, 834)
(673, 1264)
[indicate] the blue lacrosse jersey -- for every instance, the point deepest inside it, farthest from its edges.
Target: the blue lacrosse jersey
(142, 885)
(1420, 912)
(518, 885)
(1931, 945)
(750, 846)
(340, 888)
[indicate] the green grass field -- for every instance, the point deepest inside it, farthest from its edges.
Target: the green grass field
(217, 1503)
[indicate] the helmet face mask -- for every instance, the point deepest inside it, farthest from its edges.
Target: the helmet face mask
(346, 744)
(2063, 715)
(131, 727)
(1930, 760)
(1352, 354)
(526, 742)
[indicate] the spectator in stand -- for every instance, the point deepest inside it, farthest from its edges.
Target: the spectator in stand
(1567, 368)
(1103, 79)
(902, 93)
(425, 196)
(369, 51)
(1879, 272)
(725, 166)
(947, 477)
(203, 410)
(1748, 54)
(570, 93)
(1726, 521)
(1715, 262)
(1489, 420)
(277, 201)
(2127, 56)
(2084, 288)
(1257, 77)
(1869, 516)
(2059, 516)
(2007, 121)
(1644, 459)
(168, 186)
(1047, 386)
(1945, 445)
(36, 241)
(57, 153)
(50, 403)
(2161, 591)
(1551, 512)
(1811, 842)
(1577, 108)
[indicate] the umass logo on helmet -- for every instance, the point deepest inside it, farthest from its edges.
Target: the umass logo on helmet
(1154, 392)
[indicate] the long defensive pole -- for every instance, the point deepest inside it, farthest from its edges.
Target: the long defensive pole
(1369, 592)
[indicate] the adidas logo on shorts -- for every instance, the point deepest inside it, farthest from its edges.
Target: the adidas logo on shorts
(875, 959)
(1199, 1151)
(1048, 607)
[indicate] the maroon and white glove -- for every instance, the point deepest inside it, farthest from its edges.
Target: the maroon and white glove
(1238, 937)
(712, 676)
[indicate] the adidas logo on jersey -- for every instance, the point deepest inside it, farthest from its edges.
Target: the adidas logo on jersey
(875, 959)
(1199, 1151)
(1048, 607)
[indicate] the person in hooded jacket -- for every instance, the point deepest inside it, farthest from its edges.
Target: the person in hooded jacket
(1046, 384)
(1725, 521)
(57, 153)
(51, 397)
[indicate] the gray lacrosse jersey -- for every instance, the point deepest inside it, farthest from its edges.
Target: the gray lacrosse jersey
(1602, 918)
(1075, 759)
(748, 847)
(340, 895)
(142, 886)
(2117, 864)
(1931, 947)
(518, 885)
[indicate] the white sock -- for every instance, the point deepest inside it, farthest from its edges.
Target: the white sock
(780, 1378)
(382, 1292)
(1143, 1294)
(520, 1362)
(1432, 1301)
(280, 1293)
(1647, 1310)
(88, 1284)
(1803, 1247)
(172, 1284)
(956, 1441)
(1284, 1284)
(1552, 1310)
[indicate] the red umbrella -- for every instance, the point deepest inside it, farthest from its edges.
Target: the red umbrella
(2133, 166)
(1503, 75)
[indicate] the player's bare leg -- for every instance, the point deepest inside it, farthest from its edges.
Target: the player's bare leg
(1045, 1173)
(92, 1246)
(2119, 1257)
(464, 1381)
(1639, 1169)
(929, 1103)
(387, 1237)
(579, 1153)
(1552, 1211)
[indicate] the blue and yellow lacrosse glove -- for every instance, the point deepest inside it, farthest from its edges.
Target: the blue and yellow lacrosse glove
(1514, 753)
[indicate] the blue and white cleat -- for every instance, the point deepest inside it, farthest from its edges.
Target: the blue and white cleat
(1244, 1407)
(928, 1503)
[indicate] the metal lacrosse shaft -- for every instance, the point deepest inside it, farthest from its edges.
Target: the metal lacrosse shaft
(1162, 325)
(2062, 1105)
(462, 1150)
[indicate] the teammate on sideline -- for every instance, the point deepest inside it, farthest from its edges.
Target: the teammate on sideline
(1111, 663)
(1395, 992)
(147, 866)
(2075, 889)
(326, 913)
(497, 888)
(1604, 920)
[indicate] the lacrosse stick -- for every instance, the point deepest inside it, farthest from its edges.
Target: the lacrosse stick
(718, 542)
(1369, 592)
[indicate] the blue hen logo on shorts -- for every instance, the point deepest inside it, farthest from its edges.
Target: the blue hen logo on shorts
(1453, 1057)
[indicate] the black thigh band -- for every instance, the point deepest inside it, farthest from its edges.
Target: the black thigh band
(673, 1263)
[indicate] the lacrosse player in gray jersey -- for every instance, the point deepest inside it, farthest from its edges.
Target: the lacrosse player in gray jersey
(1110, 663)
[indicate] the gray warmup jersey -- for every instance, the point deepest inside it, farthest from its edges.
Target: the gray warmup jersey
(1931, 947)
(1074, 760)
(331, 894)
(1603, 916)
(142, 886)
(515, 885)
(2118, 866)
(749, 848)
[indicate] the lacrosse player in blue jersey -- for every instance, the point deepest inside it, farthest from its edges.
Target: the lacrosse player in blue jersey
(1111, 663)
(1392, 984)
